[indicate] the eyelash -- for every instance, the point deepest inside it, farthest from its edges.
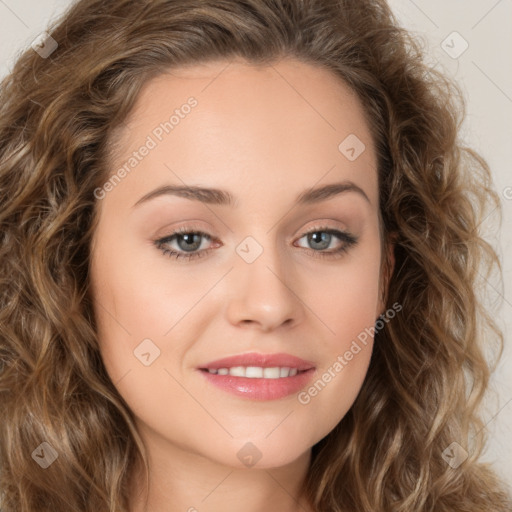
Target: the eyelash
(349, 239)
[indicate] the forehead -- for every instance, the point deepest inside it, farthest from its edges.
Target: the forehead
(232, 88)
(283, 122)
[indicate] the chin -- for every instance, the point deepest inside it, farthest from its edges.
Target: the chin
(253, 453)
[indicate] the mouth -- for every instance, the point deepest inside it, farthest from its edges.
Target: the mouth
(256, 372)
(259, 376)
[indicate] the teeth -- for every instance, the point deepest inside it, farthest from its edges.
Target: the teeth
(236, 371)
(252, 372)
(256, 372)
(271, 373)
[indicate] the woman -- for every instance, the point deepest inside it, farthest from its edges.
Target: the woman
(173, 337)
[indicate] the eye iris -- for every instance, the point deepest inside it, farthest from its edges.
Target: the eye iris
(312, 238)
(193, 241)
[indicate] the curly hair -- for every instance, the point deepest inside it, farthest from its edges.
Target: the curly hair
(428, 373)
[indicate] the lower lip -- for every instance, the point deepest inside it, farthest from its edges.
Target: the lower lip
(260, 389)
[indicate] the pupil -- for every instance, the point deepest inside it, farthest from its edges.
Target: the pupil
(189, 239)
(324, 237)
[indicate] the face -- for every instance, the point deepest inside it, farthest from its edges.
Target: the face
(266, 269)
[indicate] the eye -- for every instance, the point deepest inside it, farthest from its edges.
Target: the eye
(187, 240)
(320, 238)
(188, 243)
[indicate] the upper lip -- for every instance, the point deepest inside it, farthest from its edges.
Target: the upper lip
(261, 360)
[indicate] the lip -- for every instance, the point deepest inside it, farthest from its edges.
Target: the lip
(260, 389)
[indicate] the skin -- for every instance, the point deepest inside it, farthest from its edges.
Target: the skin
(265, 134)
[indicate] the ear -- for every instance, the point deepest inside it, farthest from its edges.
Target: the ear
(386, 271)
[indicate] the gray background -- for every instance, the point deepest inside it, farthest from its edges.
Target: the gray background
(483, 70)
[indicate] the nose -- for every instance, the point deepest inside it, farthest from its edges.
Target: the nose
(265, 294)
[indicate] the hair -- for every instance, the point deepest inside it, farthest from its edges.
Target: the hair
(429, 371)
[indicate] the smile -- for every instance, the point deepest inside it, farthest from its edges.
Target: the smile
(256, 372)
(256, 376)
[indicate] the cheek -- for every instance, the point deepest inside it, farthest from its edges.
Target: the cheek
(134, 317)
(348, 308)
(136, 296)
(346, 300)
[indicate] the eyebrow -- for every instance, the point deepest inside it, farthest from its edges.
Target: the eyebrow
(220, 197)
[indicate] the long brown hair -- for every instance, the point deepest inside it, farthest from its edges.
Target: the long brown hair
(428, 372)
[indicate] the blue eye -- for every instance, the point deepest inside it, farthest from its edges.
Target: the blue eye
(322, 242)
(189, 241)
